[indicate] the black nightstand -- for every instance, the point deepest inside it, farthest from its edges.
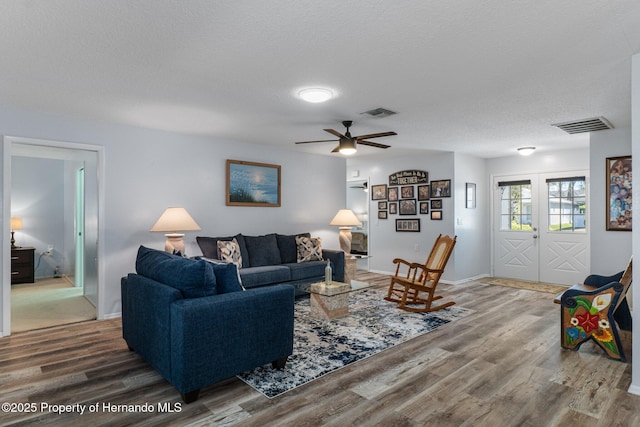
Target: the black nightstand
(22, 260)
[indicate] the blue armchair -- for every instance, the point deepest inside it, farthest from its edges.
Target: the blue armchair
(192, 321)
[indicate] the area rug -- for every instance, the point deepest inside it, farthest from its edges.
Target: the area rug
(531, 286)
(323, 346)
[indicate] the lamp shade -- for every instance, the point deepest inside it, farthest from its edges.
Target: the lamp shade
(174, 220)
(345, 218)
(16, 223)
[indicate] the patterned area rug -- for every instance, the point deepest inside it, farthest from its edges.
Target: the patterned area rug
(531, 286)
(323, 346)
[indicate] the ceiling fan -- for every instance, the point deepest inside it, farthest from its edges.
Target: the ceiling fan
(347, 143)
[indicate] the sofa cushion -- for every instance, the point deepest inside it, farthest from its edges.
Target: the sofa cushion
(307, 270)
(209, 247)
(265, 275)
(194, 278)
(288, 248)
(229, 252)
(309, 248)
(263, 250)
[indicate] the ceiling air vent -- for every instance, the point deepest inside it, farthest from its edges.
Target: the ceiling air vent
(585, 125)
(379, 113)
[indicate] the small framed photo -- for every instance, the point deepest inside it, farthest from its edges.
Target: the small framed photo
(407, 207)
(379, 192)
(393, 207)
(471, 195)
(382, 214)
(410, 225)
(424, 207)
(382, 205)
(393, 194)
(407, 192)
(436, 215)
(441, 188)
(436, 204)
(423, 192)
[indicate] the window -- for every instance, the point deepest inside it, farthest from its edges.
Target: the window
(567, 204)
(515, 205)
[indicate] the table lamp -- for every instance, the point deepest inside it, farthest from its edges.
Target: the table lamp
(16, 224)
(175, 220)
(345, 219)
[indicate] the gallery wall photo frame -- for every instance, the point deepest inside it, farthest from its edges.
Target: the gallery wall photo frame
(253, 184)
(379, 192)
(436, 215)
(423, 192)
(393, 194)
(408, 225)
(619, 186)
(382, 205)
(407, 207)
(393, 208)
(407, 192)
(382, 214)
(436, 203)
(470, 202)
(424, 208)
(440, 188)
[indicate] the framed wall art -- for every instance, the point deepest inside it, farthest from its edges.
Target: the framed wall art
(379, 192)
(407, 192)
(382, 214)
(436, 204)
(411, 225)
(382, 205)
(619, 186)
(436, 215)
(393, 194)
(423, 192)
(253, 184)
(471, 195)
(440, 188)
(393, 207)
(424, 207)
(407, 207)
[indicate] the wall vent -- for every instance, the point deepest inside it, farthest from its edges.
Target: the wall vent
(585, 125)
(379, 113)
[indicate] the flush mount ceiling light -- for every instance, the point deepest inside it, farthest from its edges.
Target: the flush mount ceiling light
(315, 94)
(526, 151)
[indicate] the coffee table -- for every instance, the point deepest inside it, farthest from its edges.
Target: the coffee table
(332, 301)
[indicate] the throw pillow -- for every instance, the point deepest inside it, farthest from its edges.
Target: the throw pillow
(309, 248)
(229, 251)
(194, 278)
(263, 250)
(288, 247)
(227, 276)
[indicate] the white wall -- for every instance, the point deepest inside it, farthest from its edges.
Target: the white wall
(635, 152)
(39, 200)
(147, 171)
(385, 243)
(604, 260)
(472, 226)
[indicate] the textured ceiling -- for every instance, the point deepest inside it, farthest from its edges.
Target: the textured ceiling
(479, 77)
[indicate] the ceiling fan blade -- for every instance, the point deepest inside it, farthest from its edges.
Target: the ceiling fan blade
(334, 132)
(373, 144)
(311, 142)
(336, 150)
(375, 135)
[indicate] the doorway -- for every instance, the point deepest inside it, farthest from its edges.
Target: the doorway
(59, 249)
(358, 202)
(540, 227)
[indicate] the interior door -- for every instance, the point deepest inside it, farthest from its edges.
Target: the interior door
(516, 247)
(540, 227)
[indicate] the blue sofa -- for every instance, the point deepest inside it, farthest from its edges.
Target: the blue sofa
(272, 259)
(192, 321)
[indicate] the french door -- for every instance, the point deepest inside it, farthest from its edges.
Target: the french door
(540, 227)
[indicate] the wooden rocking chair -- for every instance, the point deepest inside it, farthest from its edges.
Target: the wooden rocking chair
(405, 289)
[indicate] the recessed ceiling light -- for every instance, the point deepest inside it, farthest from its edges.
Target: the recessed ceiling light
(526, 151)
(315, 94)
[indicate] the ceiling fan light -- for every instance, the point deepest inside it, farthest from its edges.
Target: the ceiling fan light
(315, 94)
(347, 146)
(526, 151)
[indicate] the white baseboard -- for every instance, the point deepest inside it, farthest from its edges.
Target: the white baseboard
(634, 389)
(448, 282)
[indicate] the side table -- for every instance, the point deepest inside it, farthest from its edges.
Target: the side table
(22, 265)
(350, 266)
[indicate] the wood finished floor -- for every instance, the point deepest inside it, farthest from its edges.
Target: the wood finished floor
(502, 366)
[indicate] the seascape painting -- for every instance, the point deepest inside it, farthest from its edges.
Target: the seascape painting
(253, 184)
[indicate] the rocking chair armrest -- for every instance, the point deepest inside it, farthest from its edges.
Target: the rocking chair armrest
(401, 261)
(425, 269)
